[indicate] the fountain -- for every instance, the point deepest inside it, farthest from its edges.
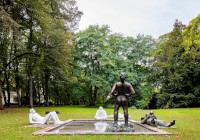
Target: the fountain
(103, 126)
(95, 127)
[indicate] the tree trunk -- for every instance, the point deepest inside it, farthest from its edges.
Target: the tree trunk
(17, 81)
(93, 96)
(16, 69)
(34, 92)
(39, 99)
(8, 87)
(4, 96)
(27, 94)
(46, 87)
(3, 92)
(90, 99)
(30, 76)
(17, 87)
(68, 98)
(1, 97)
(30, 67)
(43, 92)
(38, 92)
(57, 97)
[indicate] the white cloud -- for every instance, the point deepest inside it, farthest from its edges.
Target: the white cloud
(131, 17)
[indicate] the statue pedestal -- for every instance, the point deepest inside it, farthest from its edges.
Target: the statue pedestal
(120, 128)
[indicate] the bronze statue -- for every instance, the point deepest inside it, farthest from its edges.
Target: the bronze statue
(120, 92)
(151, 119)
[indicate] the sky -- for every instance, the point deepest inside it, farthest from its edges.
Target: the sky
(133, 17)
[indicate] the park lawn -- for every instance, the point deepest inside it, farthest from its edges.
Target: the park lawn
(13, 120)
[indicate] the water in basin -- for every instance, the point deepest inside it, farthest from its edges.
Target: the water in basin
(93, 126)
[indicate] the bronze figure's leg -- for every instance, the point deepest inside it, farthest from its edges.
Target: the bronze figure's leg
(116, 113)
(121, 100)
(125, 108)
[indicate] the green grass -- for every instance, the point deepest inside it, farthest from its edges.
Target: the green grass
(13, 120)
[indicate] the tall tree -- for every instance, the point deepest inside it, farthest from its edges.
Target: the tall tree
(177, 66)
(102, 56)
(91, 45)
(7, 24)
(45, 39)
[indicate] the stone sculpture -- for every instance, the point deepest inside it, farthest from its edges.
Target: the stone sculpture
(120, 92)
(35, 118)
(151, 119)
(101, 114)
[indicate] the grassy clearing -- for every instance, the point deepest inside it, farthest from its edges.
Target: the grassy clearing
(13, 120)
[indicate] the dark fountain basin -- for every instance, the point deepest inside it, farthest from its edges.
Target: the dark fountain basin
(98, 127)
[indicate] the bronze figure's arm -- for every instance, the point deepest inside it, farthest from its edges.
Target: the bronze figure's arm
(113, 89)
(131, 90)
(144, 119)
(154, 117)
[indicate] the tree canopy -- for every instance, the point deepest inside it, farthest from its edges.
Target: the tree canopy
(102, 56)
(36, 44)
(45, 61)
(176, 66)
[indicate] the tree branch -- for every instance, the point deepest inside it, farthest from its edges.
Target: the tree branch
(16, 57)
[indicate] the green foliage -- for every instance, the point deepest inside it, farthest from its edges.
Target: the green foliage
(177, 67)
(37, 40)
(141, 104)
(102, 56)
(132, 107)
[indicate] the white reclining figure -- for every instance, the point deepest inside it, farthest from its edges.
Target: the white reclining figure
(35, 118)
(101, 114)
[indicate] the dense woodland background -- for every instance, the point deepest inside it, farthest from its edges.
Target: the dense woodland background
(45, 61)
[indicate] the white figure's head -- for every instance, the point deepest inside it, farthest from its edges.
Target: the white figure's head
(100, 108)
(32, 110)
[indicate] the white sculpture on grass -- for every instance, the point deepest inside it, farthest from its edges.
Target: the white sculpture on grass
(35, 118)
(101, 114)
